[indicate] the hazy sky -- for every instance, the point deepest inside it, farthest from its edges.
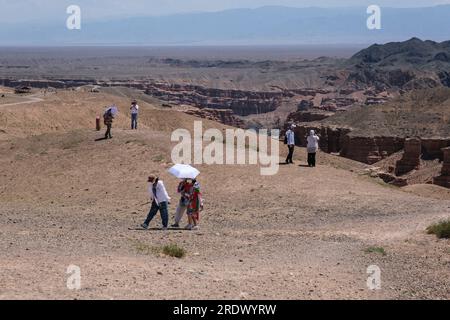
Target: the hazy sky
(39, 10)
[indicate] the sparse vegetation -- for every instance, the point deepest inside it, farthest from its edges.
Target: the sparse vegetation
(171, 250)
(440, 229)
(158, 158)
(174, 250)
(143, 248)
(379, 250)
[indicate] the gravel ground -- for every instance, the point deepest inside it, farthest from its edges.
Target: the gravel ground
(301, 234)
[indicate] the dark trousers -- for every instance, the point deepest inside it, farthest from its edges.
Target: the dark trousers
(134, 119)
(290, 154)
(163, 209)
(108, 131)
(312, 159)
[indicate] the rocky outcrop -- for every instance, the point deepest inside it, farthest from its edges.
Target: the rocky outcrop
(330, 138)
(305, 105)
(375, 100)
(432, 148)
(225, 116)
(242, 103)
(411, 157)
(22, 90)
(392, 179)
(339, 140)
(308, 116)
(370, 149)
(444, 179)
(42, 84)
(309, 91)
(334, 104)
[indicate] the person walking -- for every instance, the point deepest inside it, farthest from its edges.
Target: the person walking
(290, 141)
(312, 148)
(160, 202)
(185, 190)
(195, 206)
(108, 118)
(134, 114)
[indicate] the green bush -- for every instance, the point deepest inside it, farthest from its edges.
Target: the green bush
(440, 229)
(173, 250)
(375, 250)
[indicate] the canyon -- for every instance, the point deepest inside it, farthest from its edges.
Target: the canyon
(365, 108)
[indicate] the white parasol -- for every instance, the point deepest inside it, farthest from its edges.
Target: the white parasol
(184, 171)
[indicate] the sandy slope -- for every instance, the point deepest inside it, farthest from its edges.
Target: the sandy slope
(67, 199)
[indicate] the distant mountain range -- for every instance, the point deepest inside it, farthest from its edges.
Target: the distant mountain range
(411, 64)
(413, 52)
(264, 26)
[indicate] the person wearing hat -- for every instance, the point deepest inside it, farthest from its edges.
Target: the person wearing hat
(134, 114)
(312, 148)
(160, 202)
(290, 141)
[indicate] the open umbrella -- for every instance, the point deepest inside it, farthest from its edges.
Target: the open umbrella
(184, 171)
(113, 109)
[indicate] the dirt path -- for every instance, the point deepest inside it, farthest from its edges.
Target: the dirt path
(34, 98)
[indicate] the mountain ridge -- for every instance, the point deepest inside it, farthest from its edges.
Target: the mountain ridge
(265, 25)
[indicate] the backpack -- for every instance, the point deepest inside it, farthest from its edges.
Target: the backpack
(107, 114)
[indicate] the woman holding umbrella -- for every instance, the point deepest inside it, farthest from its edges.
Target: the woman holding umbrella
(185, 190)
(191, 196)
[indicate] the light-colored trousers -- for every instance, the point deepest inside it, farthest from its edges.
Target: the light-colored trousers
(181, 209)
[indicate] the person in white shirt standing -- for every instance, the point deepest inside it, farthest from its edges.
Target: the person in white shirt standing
(160, 202)
(312, 148)
(134, 114)
(290, 141)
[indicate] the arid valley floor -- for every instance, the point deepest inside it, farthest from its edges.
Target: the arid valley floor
(304, 233)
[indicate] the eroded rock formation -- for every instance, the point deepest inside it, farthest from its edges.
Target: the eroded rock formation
(370, 149)
(432, 148)
(330, 138)
(225, 116)
(444, 179)
(242, 103)
(411, 157)
(308, 116)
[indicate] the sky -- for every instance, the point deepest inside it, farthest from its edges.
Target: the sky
(22, 11)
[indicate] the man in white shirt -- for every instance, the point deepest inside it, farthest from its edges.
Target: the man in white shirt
(160, 202)
(134, 114)
(312, 148)
(290, 141)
